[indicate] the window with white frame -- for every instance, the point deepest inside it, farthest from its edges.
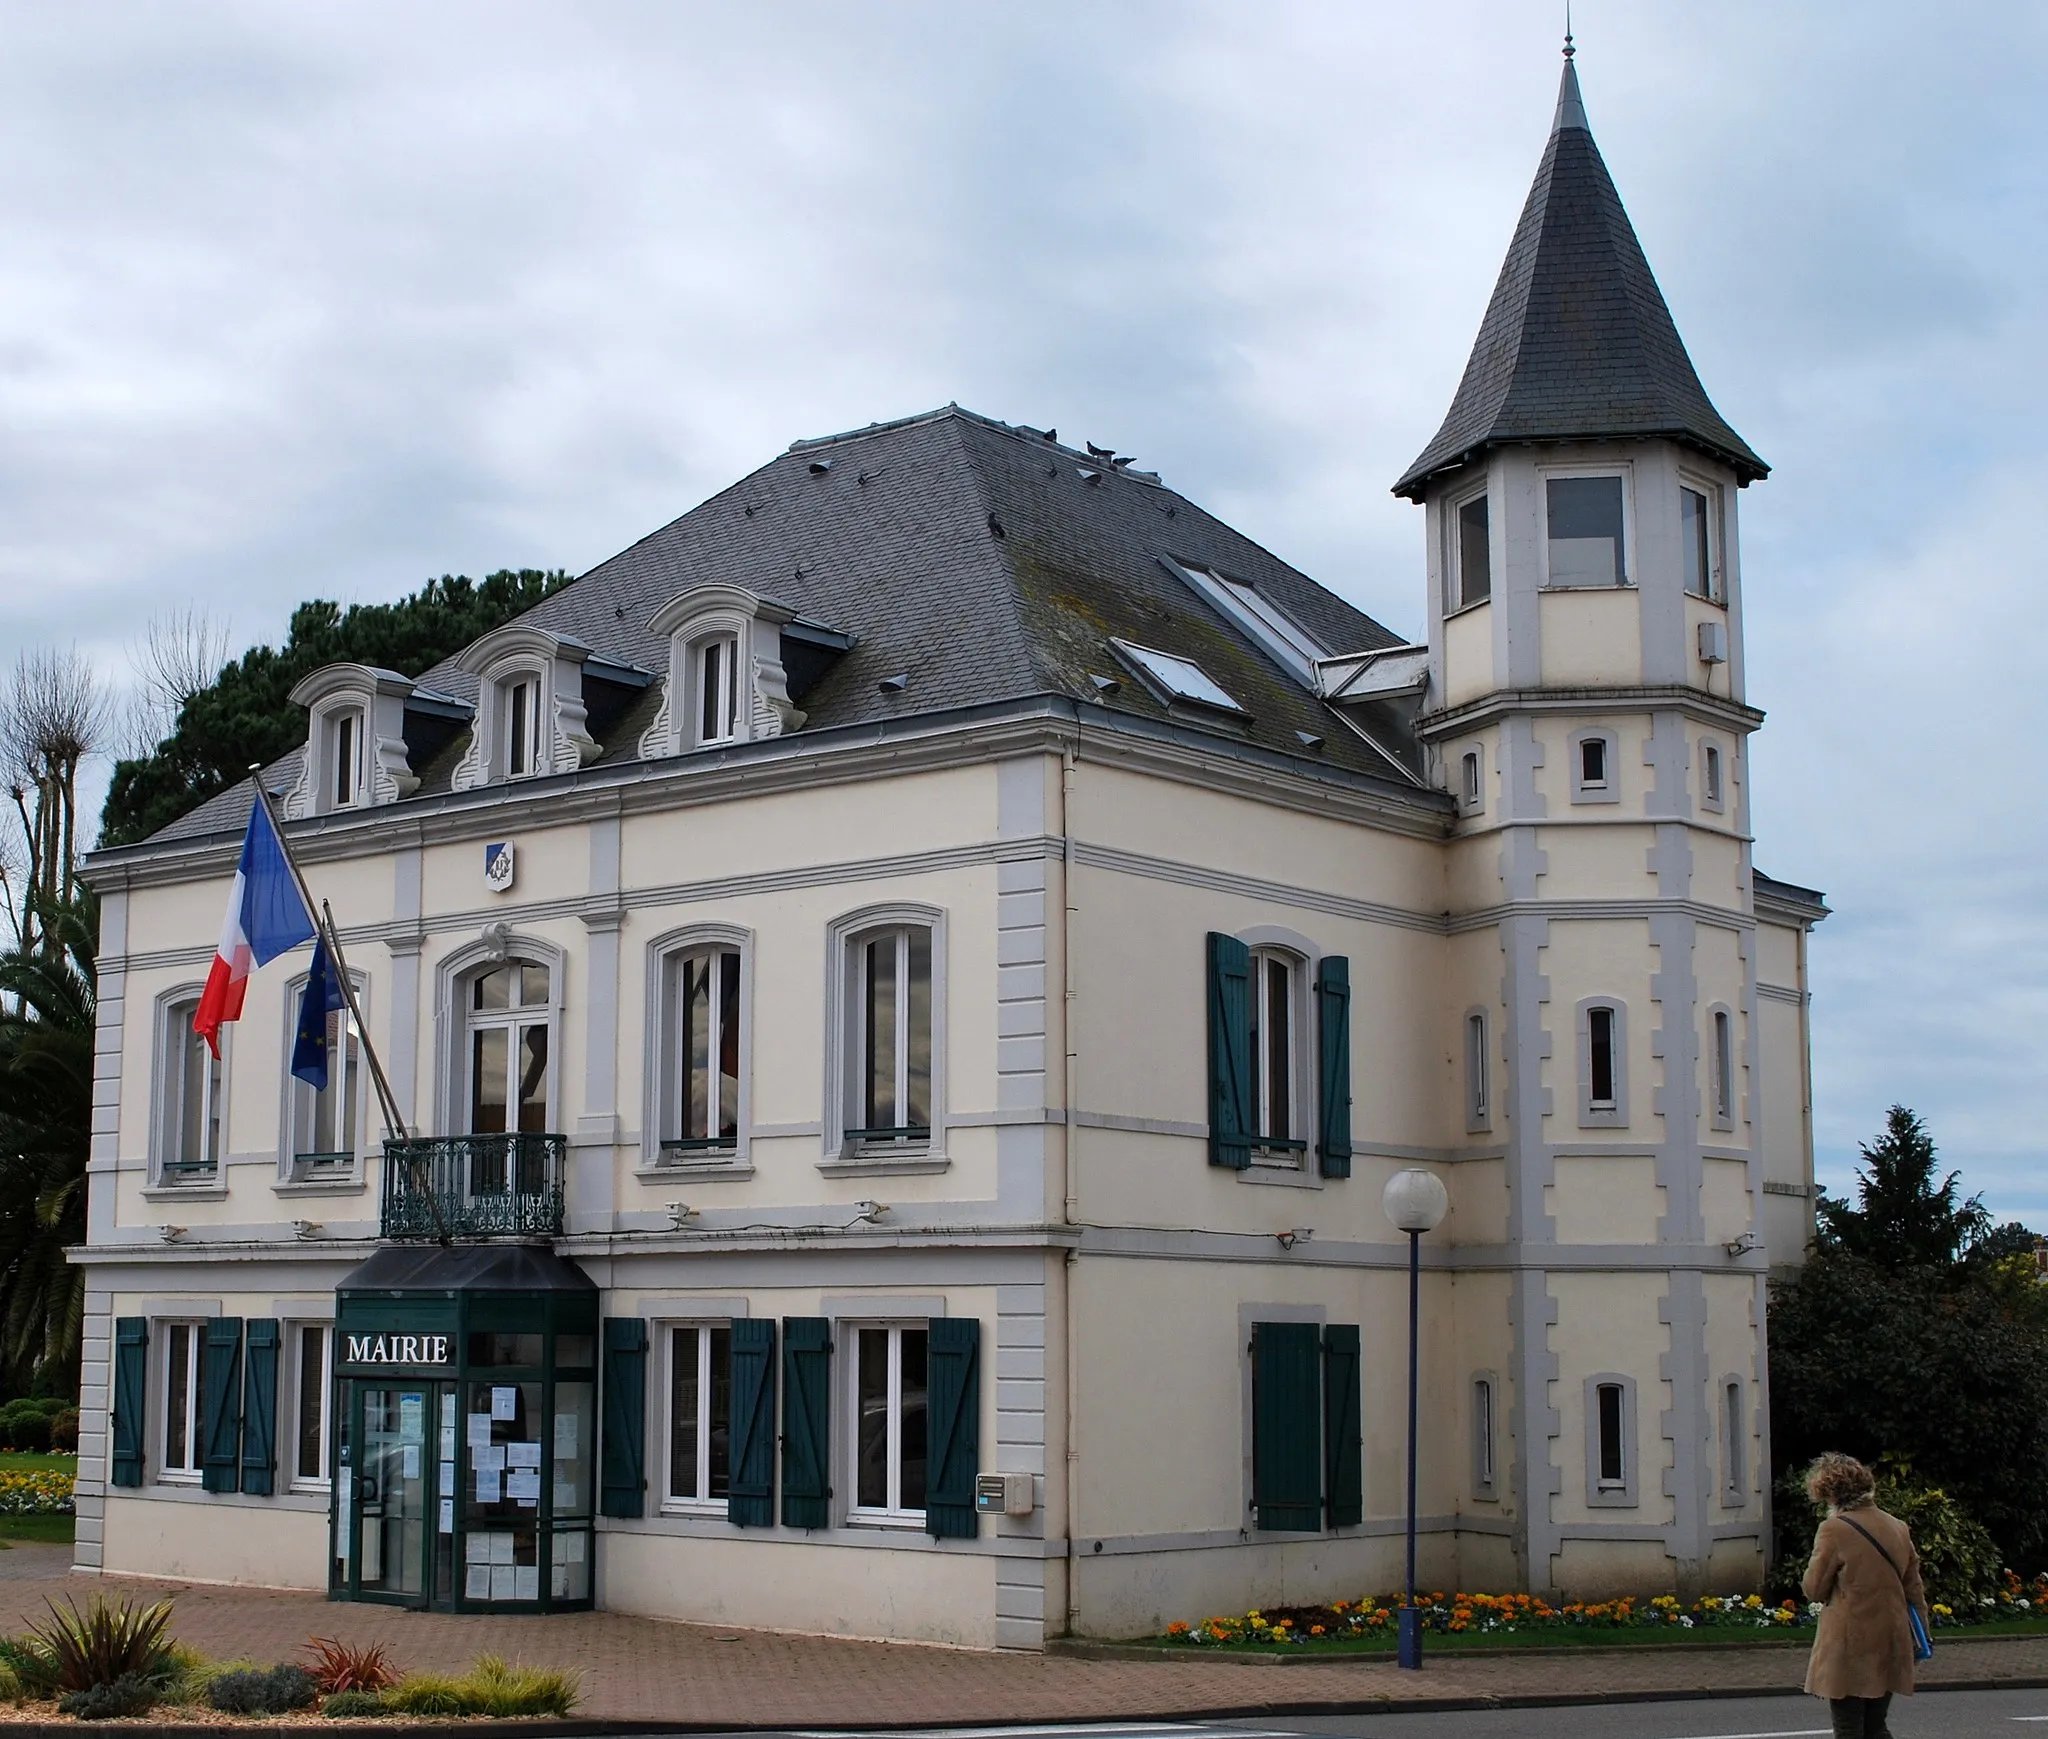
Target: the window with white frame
(1478, 1073)
(507, 1026)
(519, 710)
(1586, 545)
(1595, 774)
(312, 1343)
(1611, 1440)
(1721, 1063)
(1280, 1114)
(192, 1110)
(700, 1051)
(344, 758)
(326, 1122)
(890, 1053)
(1484, 1437)
(1698, 540)
(1471, 552)
(1471, 781)
(1712, 779)
(699, 1414)
(183, 1455)
(715, 679)
(890, 1416)
(1734, 1444)
(1603, 1065)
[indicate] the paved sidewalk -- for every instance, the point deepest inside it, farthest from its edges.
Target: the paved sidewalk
(638, 1669)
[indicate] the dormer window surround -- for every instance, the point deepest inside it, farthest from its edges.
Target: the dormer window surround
(355, 754)
(532, 719)
(726, 680)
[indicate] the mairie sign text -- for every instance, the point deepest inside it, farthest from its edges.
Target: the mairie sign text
(399, 1349)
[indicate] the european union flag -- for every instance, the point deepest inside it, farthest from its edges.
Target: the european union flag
(323, 996)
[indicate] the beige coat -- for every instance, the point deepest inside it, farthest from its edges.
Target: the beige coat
(1864, 1647)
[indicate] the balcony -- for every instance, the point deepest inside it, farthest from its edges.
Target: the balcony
(474, 1186)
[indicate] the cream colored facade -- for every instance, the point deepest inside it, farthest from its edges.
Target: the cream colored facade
(1609, 1234)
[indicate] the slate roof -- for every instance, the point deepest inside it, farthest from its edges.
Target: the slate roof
(980, 561)
(1577, 343)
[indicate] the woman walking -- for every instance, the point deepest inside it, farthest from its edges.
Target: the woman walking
(1865, 1568)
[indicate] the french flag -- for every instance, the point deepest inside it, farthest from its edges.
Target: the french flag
(267, 916)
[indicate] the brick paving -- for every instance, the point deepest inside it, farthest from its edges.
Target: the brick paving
(639, 1669)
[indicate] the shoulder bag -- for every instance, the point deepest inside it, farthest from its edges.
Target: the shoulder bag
(1923, 1644)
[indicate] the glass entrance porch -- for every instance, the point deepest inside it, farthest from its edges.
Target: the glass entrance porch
(465, 1395)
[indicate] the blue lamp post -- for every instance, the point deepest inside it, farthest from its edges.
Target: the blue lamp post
(1416, 1202)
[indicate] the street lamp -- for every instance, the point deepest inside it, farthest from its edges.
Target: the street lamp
(1416, 1202)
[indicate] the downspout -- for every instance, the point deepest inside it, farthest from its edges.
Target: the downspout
(1070, 1063)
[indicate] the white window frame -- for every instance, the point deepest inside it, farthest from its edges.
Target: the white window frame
(295, 1329)
(298, 1096)
(702, 1329)
(195, 1408)
(1721, 1066)
(1455, 600)
(1478, 1040)
(1485, 1400)
(729, 702)
(1717, 589)
(662, 1036)
(1713, 776)
(453, 979)
(344, 760)
(844, 1049)
(506, 689)
(1471, 790)
(1734, 1442)
(1300, 1074)
(893, 1514)
(1629, 566)
(1603, 1492)
(175, 1008)
(1603, 1113)
(514, 1020)
(1607, 789)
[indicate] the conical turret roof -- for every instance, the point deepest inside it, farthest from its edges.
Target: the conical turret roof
(1577, 343)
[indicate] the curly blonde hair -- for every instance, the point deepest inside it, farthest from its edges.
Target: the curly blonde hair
(1839, 1481)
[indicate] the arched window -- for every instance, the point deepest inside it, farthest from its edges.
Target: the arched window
(1281, 1113)
(885, 1092)
(507, 1078)
(1603, 1064)
(700, 1051)
(1478, 1074)
(714, 679)
(324, 1125)
(191, 1107)
(1721, 1067)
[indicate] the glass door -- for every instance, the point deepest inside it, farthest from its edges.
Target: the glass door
(391, 1490)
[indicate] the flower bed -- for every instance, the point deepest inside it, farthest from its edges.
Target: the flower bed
(1524, 1616)
(34, 1493)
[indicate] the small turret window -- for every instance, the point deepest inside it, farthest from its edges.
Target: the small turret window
(1474, 554)
(1696, 542)
(1585, 531)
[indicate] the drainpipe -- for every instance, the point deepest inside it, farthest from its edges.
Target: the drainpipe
(1071, 1063)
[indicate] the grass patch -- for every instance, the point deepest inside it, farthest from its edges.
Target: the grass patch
(491, 1687)
(57, 1530)
(28, 1461)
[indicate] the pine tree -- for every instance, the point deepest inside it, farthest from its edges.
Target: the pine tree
(1902, 1217)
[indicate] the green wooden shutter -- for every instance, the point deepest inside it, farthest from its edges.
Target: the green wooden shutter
(622, 1463)
(1287, 1438)
(1333, 1030)
(1230, 1052)
(806, 1422)
(751, 1503)
(259, 1407)
(131, 1373)
(1343, 1428)
(220, 1402)
(953, 1382)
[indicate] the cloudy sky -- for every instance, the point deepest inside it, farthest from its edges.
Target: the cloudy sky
(307, 301)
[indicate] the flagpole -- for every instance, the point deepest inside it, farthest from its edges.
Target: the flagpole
(323, 922)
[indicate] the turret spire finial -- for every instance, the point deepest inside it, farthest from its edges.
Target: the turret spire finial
(1569, 51)
(1571, 111)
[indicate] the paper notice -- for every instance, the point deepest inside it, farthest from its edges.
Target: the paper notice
(476, 1549)
(502, 1582)
(501, 1548)
(412, 1418)
(523, 1484)
(479, 1430)
(487, 1487)
(346, 1484)
(447, 1515)
(558, 1582)
(570, 1546)
(490, 1455)
(447, 1476)
(447, 1442)
(526, 1582)
(411, 1461)
(476, 1582)
(522, 1455)
(565, 1495)
(565, 1436)
(505, 1401)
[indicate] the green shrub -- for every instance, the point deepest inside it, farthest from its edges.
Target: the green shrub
(263, 1690)
(64, 1431)
(426, 1694)
(1959, 1562)
(11, 1690)
(130, 1694)
(186, 1674)
(344, 1704)
(101, 1645)
(491, 1687)
(25, 1426)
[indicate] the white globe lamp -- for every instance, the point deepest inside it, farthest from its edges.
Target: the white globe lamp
(1416, 1201)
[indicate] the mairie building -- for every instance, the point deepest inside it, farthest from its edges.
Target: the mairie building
(902, 990)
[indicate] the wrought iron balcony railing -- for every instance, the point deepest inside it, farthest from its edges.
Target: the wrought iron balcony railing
(474, 1186)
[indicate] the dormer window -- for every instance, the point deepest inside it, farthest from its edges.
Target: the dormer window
(345, 759)
(717, 677)
(520, 699)
(1584, 517)
(356, 738)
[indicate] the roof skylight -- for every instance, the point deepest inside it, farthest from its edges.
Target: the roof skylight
(1178, 678)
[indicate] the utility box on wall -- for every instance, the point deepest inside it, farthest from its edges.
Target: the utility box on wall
(1003, 1494)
